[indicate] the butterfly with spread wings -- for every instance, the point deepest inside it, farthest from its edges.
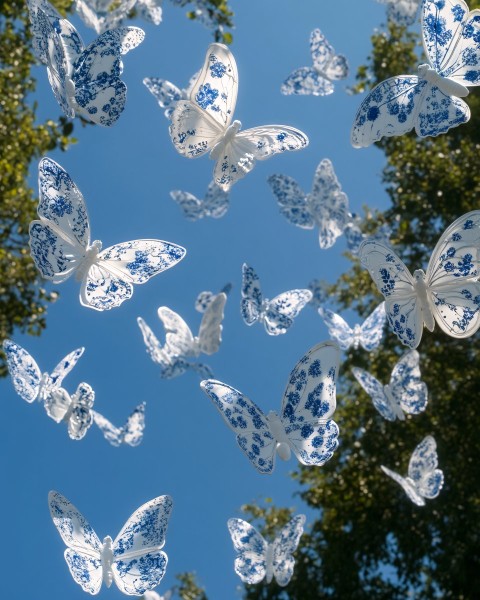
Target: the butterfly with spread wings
(258, 559)
(166, 93)
(134, 560)
(304, 424)
(60, 246)
(131, 433)
(448, 293)
(318, 79)
(215, 203)
(402, 12)
(203, 123)
(424, 480)
(75, 410)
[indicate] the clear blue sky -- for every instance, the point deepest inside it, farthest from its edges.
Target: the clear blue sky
(125, 174)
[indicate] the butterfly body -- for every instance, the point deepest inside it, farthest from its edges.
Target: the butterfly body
(221, 148)
(278, 430)
(74, 410)
(424, 298)
(106, 559)
(447, 86)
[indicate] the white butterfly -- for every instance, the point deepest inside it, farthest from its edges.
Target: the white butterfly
(368, 335)
(203, 123)
(60, 246)
(215, 204)
(448, 293)
(424, 480)
(85, 81)
(304, 424)
(402, 12)
(318, 79)
(131, 433)
(103, 14)
(134, 560)
(167, 93)
(405, 393)
(257, 559)
(325, 206)
(277, 315)
(29, 382)
(204, 299)
(75, 411)
(429, 102)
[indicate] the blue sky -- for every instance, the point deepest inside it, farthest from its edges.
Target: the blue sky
(125, 174)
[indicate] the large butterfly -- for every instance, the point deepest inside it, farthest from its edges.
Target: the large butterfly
(368, 334)
(325, 206)
(215, 204)
(318, 79)
(257, 559)
(424, 480)
(85, 81)
(167, 93)
(75, 410)
(134, 560)
(131, 433)
(60, 246)
(203, 123)
(448, 293)
(204, 299)
(277, 315)
(402, 12)
(304, 424)
(405, 393)
(430, 102)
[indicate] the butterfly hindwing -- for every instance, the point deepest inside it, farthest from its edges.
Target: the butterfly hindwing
(375, 390)
(292, 201)
(284, 546)
(251, 548)
(406, 384)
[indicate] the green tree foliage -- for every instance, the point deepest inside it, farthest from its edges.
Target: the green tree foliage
(187, 588)
(216, 14)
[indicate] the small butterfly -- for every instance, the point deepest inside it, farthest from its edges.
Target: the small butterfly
(448, 293)
(318, 79)
(29, 382)
(424, 480)
(429, 102)
(325, 206)
(85, 81)
(203, 123)
(131, 433)
(168, 94)
(277, 315)
(304, 424)
(257, 559)
(204, 299)
(215, 204)
(74, 410)
(101, 15)
(368, 335)
(405, 393)
(60, 246)
(134, 560)
(402, 12)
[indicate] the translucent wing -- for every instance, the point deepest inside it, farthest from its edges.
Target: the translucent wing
(250, 563)
(248, 422)
(308, 403)
(193, 131)
(158, 353)
(371, 331)
(292, 201)
(204, 299)
(406, 384)
(210, 333)
(23, 370)
(42, 14)
(80, 418)
(407, 484)
(103, 15)
(216, 201)
(251, 295)
(165, 92)
(131, 433)
(338, 328)
(376, 392)
(353, 234)
(150, 10)
(307, 81)
(180, 340)
(58, 404)
(284, 546)
(321, 50)
(318, 287)
(281, 311)
(191, 206)
(422, 468)
(402, 12)
(65, 366)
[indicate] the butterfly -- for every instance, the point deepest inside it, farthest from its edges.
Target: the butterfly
(60, 246)
(204, 299)
(131, 433)
(448, 293)
(29, 382)
(325, 206)
(85, 81)
(74, 410)
(215, 204)
(368, 335)
(277, 315)
(167, 93)
(354, 235)
(318, 79)
(402, 12)
(430, 102)
(257, 559)
(405, 393)
(304, 424)
(203, 123)
(424, 480)
(134, 560)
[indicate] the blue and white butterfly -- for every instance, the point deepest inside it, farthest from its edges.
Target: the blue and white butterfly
(304, 424)
(101, 15)
(74, 410)
(405, 393)
(204, 299)
(131, 433)
(85, 81)
(29, 382)
(354, 236)
(134, 560)
(258, 559)
(215, 204)
(319, 289)
(402, 12)
(424, 480)
(326, 206)
(60, 246)
(318, 79)
(278, 314)
(430, 102)
(368, 335)
(167, 93)
(448, 293)
(203, 123)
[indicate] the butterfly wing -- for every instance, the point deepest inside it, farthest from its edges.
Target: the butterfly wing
(282, 310)
(407, 484)
(83, 546)
(150, 10)
(179, 338)
(23, 370)
(216, 201)
(422, 468)
(192, 208)
(371, 331)
(292, 201)
(65, 366)
(319, 289)
(112, 434)
(134, 427)
(81, 417)
(251, 295)
(338, 328)
(158, 353)
(42, 15)
(251, 548)
(57, 404)
(306, 81)
(375, 390)
(248, 422)
(284, 545)
(321, 50)
(166, 93)
(406, 384)
(210, 333)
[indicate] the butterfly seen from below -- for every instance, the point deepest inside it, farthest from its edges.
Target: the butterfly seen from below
(131, 433)
(75, 410)
(166, 93)
(215, 203)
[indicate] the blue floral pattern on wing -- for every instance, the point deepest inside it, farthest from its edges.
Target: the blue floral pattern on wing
(131, 433)
(214, 205)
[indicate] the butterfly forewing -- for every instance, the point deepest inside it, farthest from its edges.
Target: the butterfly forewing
(406, 384)
(407, 484)
(65, 366)
(179, 338)
(282, 310)
(307, 81)
(157, 353)
(250, 563)
(292, 201)
(375, 390)
(284, 546)
(372, 328)
(193, 132)
(338, 328)
(273, 139)
(210, 333)
(251, 295)
(81, 416)
(23, 370)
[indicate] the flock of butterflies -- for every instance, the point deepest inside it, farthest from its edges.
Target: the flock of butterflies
(87, 82)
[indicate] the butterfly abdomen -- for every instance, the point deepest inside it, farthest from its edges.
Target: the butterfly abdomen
(106, 557)
(446, 85)
(278, 431)
(421, 290)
